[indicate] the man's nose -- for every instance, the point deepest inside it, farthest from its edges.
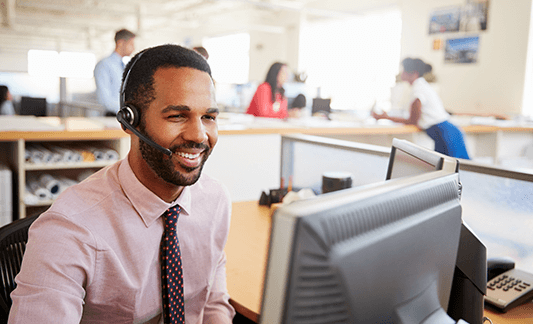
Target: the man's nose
(195, 131)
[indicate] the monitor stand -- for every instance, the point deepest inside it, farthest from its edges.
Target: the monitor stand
(469, 280)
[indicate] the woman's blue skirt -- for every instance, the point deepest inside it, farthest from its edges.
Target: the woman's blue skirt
(448, 139)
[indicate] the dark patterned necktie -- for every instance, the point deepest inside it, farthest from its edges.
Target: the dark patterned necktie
(171, 270)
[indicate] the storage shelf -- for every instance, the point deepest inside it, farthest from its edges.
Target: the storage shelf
(41, 203)
(16, 148)
(62, 166)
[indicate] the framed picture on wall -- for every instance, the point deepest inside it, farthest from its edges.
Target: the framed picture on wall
(444, 20)
(461, 50)
(474, 16)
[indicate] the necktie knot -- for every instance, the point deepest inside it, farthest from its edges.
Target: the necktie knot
(171, 218)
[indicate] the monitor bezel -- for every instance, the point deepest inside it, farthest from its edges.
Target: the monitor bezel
(437, 160)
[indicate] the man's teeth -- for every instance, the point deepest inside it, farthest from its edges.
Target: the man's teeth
(188, 155)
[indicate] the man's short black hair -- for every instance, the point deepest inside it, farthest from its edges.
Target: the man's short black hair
(139, 89)
(123, 34)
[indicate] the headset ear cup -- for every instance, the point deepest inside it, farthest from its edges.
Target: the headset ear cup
(136, 115)
(122, 117)
(128, 115)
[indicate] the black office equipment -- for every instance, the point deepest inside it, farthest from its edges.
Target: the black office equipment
(33, 106)
(321, 105)
(498, 265)
(469, 279)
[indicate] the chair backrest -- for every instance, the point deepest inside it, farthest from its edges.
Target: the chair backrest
(13, 238)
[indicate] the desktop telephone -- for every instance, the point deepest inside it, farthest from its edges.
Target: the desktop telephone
(507, 287)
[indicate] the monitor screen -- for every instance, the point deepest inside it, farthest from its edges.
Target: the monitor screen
(321, 105)
(408, 159)
(33, 106)
(381, 253)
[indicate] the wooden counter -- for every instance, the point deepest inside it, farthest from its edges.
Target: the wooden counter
(62, 135)
(363, 130)
(247, 249)
(259, 126)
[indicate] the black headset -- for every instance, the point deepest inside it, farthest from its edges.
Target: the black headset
(130, 117)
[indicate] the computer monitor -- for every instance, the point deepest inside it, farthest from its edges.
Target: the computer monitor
(380, 253)
(33, 106)
(321, 105)
(469, 279)
(408, 159)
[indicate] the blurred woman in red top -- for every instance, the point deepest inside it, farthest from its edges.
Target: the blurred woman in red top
(269, 99)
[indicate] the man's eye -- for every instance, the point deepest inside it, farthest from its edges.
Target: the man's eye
(210, 117)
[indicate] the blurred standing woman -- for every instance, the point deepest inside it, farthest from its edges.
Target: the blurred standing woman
(427, 111)
(269, 99)
(6, 104)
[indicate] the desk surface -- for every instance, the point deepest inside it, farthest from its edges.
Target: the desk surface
(246, 252)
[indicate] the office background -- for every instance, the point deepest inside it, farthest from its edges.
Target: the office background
(499, 82)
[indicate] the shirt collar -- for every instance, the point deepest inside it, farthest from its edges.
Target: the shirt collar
(420, 80)
(116, 57)
(147, 204)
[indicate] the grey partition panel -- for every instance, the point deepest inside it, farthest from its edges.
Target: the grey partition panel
(306, 158)
(497, 203)
(499, 209)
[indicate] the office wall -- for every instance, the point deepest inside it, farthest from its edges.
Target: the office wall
(495, 84)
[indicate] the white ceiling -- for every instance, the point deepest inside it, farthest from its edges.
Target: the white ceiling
(44, 23)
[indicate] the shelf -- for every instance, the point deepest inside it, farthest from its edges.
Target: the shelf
(62, 166)
(117, 140)
(41, 203)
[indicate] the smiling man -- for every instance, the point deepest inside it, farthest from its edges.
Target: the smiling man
(107, 251)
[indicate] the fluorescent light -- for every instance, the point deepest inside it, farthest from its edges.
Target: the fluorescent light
(43, 63)
(64, 64)
(76, 65)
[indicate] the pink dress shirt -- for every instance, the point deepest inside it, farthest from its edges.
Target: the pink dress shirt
(93, 257)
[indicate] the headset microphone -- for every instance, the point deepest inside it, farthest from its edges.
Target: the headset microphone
(129, 116)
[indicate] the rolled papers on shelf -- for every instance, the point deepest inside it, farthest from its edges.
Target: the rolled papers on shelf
(51, 184)
(39, 191)
(111, 155)
(29, 197)
(66, 182)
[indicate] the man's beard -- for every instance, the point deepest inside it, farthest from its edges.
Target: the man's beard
(162, 165)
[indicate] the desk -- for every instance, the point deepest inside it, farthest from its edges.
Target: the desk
(246, 252)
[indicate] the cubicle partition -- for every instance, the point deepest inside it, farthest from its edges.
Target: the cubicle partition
(498, 206)
(305, 158)
(497, 203)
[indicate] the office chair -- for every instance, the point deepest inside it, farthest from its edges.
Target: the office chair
(13, 238)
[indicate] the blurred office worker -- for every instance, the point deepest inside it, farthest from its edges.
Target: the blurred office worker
(269, 99)
(427, 111)
(142, 240)
(6, 101)
(298, 104)
(108, 72)
(202, 51)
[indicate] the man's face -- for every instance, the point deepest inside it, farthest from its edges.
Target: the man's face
(182, 118)
(128, 46)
